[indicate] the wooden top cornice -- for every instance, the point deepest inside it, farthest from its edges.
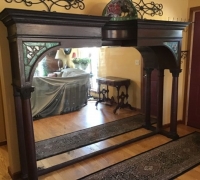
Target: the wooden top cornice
(139, 31)
(12, 16)
(75, 30)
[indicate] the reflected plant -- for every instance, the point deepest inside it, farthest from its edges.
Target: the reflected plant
(84, 61)
(76, 60)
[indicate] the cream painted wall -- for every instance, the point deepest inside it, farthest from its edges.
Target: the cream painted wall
(8, 102)
(194, 3)
(120, 62)
(113, 55)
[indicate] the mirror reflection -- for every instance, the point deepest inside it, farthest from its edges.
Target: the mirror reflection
(65, 97)
(62, 82)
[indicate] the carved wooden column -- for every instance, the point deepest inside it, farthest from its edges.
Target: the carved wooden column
(174, 104)
(20, 133)
(147, 103)
(25, 93)
(160, 99)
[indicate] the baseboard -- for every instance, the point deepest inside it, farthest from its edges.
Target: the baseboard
(137, 109)
(3, 143)
(14, 176)
(168, 125)
(165, 126)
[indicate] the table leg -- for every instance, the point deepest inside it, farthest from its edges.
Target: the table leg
(105, 94)
(121, 99)
(99, 95)
(127, 104)
(118, 97)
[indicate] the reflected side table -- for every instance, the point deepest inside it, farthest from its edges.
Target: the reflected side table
(116, 82)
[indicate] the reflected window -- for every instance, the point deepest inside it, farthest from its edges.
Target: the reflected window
(41, 69)
(92, 68)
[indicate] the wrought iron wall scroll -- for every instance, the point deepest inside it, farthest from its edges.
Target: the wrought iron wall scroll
(151, 8)
(67, 4)
(142, 8)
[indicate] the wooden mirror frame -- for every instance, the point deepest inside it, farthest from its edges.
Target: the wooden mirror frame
(159, 43)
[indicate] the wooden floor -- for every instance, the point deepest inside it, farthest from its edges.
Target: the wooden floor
(89, 116)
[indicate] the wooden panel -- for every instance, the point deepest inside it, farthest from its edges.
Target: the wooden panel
(194, 95)
(154, 92)
(40, 30)
(159, 33)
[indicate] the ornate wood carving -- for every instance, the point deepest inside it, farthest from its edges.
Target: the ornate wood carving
(70, 30)
(174, 47)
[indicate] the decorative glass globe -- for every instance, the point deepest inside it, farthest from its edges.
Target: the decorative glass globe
(120, 10)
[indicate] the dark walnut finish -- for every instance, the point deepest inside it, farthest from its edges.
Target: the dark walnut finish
(159, 43)
(117, 83)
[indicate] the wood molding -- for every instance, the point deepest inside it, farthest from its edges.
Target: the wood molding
(3, 143)
(193, 9)
(188, 63)
(17, 175)
(14, 176)
(168, 125)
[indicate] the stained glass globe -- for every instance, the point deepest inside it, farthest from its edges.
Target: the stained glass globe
(120, 10)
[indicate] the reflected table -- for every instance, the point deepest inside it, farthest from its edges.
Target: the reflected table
(116, 82)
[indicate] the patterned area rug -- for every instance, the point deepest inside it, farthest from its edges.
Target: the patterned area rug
(71, 141)
(162, 163)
